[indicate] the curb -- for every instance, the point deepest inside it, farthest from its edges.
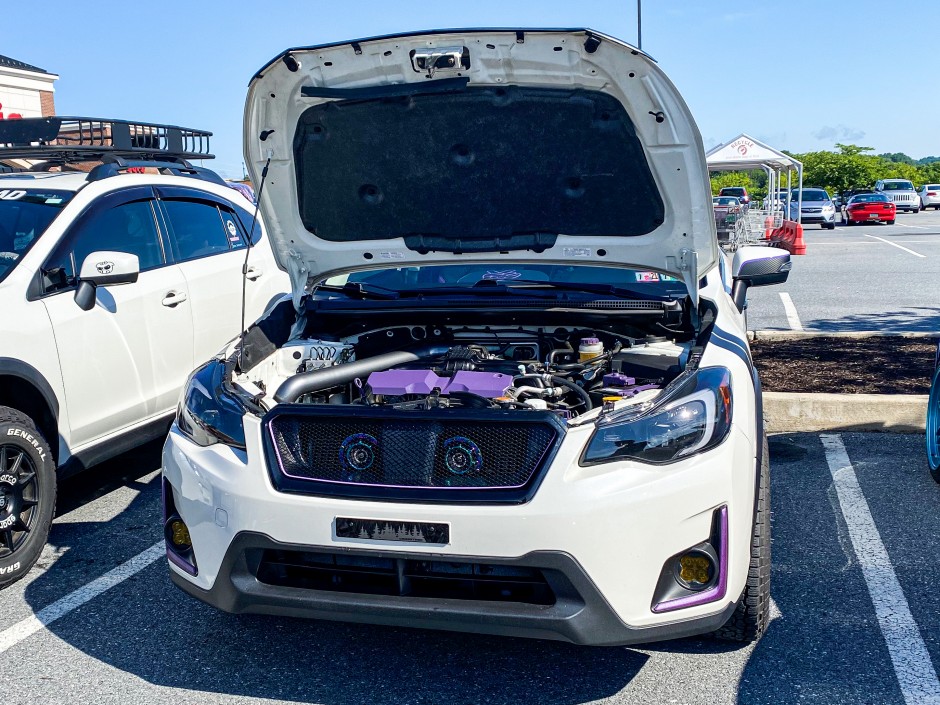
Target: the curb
(797, 412)
(771, 335)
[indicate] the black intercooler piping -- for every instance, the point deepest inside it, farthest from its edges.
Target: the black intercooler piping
(304, 383)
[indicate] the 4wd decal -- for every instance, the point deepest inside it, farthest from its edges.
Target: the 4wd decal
(29, 438)
(11, 195)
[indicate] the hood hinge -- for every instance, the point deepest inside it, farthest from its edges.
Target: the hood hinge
(687, 263)
(299, 277)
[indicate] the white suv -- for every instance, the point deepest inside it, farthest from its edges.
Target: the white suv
(512, 392)
(901, 192)
(113, 284)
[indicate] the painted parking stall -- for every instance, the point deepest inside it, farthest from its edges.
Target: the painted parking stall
(99, 611)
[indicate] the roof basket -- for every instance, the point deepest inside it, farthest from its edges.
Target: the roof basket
(64, 140)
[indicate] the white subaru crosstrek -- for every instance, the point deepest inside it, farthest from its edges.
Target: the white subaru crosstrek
(113, 285)
(511, 392)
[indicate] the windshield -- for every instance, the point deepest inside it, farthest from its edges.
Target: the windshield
(467, 276)
(24, 216)
(726, 201)
(811, 196)
(732, 191)
(898, 186)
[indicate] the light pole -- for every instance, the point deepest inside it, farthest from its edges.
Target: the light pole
(639, 24)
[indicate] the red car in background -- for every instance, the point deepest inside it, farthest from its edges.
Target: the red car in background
(869, 208)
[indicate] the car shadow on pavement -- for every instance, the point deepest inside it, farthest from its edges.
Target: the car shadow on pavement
(825, 645)
(913, 319)
(146, 627)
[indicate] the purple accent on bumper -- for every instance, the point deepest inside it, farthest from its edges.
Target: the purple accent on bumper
(179, 562)
(615, 379)
(398, 382)
(718, 590)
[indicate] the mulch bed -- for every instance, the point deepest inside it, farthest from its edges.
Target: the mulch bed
(880, 365)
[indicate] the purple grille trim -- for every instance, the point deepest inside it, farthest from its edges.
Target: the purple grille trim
(718, 590)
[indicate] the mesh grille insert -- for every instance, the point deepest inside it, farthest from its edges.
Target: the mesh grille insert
(440, 453)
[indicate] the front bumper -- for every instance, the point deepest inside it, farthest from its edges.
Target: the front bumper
(579, 615)
(818, 217)
(600, 535)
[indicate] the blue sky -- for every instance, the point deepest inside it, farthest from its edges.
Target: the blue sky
(781, 71)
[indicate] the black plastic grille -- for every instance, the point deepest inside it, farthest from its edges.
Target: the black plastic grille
(403, 577)
(409, 452)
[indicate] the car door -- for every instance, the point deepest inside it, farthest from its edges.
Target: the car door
(125, 360)
(208, 240)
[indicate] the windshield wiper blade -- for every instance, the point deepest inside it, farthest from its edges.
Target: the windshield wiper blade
(357, 290)
(608, 289)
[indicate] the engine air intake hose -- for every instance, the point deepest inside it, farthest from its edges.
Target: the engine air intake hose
(315, 380)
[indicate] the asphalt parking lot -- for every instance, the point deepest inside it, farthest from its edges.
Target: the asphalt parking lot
(861, 277)
(133, 637)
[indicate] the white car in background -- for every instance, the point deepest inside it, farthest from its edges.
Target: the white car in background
(113, 284)
(929, 195)
(512, 392)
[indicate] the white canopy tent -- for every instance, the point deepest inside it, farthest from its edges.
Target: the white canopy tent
(745, 152)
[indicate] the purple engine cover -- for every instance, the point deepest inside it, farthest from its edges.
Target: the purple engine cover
(395, 383)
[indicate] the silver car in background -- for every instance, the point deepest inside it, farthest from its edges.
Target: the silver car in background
(901, 192)
(817, 207)
(929, 196)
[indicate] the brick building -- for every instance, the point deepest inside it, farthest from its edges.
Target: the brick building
(25, 90)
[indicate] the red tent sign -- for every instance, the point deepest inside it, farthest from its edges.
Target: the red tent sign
(11, 116)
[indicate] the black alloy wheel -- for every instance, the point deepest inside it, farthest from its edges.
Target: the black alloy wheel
(27, 494)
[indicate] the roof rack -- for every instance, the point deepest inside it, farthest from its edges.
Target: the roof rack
(63, 140)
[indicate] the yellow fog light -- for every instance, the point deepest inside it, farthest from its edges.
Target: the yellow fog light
(179, 534)
(696, 570)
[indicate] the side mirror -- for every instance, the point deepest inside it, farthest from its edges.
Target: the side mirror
(104, 268)
(757, 266)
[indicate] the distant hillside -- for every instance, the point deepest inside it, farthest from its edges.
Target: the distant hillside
(902, 158)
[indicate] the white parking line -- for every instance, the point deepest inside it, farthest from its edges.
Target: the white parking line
(894, 244)
(47, 615)
(912, 665)
(793, 317)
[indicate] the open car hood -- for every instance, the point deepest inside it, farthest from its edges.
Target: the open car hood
(491, 146)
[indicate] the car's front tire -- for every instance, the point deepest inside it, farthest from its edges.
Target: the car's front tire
(752, 613)
(933, 426)
(27, 494)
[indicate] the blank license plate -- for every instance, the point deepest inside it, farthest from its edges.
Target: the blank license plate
(382, 530)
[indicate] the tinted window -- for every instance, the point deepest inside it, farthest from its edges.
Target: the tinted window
(24, 216)
(196, 229)
(811, 196)
(126, 228)
(732, 191)
(869, 198)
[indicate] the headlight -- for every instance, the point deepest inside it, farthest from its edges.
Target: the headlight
(208, 414)
(830, 207)
(692, 417)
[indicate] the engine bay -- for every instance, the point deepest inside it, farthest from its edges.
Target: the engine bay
(567, 371)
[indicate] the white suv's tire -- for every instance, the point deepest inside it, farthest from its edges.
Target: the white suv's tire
(752, 614)
(27, 494)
